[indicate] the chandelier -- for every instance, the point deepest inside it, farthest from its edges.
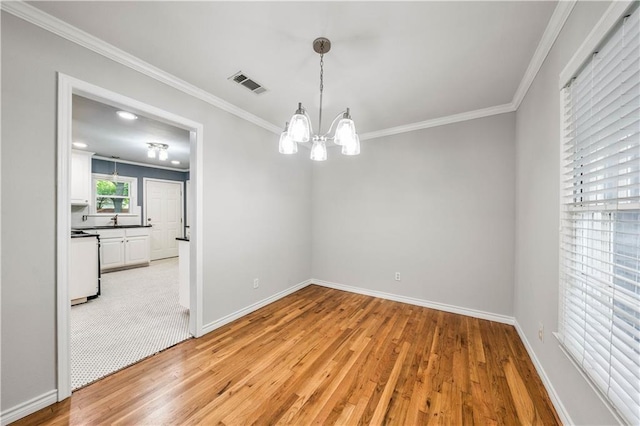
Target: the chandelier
(299, 130)
(160, 149)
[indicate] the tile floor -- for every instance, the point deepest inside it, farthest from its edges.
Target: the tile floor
(136, 316)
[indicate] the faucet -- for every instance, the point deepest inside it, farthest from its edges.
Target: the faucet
(114, 220)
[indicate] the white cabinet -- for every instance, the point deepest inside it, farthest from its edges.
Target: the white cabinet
(83, 271)
(136, 250)
(124, 248)
(184, 282)
(80, 175)
(111, 253)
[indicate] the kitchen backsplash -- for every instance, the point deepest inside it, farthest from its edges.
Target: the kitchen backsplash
(81, 218)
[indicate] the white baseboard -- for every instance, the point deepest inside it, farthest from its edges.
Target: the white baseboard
(419, 302)
(207, 328)
(24, 409)
(553, 395)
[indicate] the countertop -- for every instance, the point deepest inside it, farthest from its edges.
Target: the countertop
(85, 228)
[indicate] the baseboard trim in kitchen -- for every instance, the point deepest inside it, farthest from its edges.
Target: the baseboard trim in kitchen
(254, 307)
(24, 409)
(419, 302)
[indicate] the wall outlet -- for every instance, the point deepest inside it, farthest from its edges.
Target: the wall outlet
(397, 276)
(256, 282)
(541, 332)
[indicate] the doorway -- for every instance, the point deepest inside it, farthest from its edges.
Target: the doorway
(67, 88)
(164, 211)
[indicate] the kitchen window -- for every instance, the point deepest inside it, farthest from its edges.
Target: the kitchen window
(599, 321)
(114, 196)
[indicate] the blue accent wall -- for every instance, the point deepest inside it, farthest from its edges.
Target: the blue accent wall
(139, 172)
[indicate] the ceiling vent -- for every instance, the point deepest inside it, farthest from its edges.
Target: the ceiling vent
(245, 81)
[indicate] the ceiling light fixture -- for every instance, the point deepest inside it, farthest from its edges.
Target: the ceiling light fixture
(299, 130)
(159, 148)
(176, 162)
(127, 115)
(114, 175)
(79, 144)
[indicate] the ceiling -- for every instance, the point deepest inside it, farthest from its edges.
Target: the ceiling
(108, 135)
(392, 63)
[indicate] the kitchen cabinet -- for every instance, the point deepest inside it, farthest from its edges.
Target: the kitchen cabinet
(111, 252)
(184, 282)
(136, 250)
(80, 175)
(123, 248)
(83, 271)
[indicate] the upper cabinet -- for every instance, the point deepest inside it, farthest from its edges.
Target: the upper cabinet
(80, 177)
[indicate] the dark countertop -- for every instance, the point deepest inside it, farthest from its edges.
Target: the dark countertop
(81, 234)
(84, 228)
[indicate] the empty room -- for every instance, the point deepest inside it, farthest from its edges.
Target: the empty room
(341, 212)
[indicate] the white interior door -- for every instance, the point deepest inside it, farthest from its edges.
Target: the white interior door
(163, 210)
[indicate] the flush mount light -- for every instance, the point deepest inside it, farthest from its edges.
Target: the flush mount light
(176, 162)
(127, 115)
(159, 148)
(299, 130)
(79, 144)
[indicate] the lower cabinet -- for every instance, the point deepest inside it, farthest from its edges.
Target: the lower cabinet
(136, 250)
(111, 253)
(124, 247)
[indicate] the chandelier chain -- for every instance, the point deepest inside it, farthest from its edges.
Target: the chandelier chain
(321, 87)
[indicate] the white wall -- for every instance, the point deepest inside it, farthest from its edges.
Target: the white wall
(436, 205)
(537, 219)
(256, 202)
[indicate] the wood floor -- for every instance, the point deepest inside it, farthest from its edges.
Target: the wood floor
(324, 356)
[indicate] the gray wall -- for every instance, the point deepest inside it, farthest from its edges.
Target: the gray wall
(537, 219)
(256, 202)
(436, 205)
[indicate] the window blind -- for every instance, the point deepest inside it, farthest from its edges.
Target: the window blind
(599, 321)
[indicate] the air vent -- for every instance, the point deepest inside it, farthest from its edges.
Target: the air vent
(245, 81)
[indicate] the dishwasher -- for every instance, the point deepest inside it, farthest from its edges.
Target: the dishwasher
(84, 267)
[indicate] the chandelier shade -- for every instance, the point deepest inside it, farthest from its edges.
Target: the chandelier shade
(346, 130)
(299, 129)
(352, 147)
(319, 149)
(287, 145)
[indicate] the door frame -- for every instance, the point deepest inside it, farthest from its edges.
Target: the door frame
(67, 87)
(182, 199)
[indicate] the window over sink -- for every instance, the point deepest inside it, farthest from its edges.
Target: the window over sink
(114, 195)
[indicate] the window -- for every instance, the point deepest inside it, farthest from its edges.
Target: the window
(114, 196)
(599, 322)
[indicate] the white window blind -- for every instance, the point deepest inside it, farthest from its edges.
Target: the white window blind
(599, 321)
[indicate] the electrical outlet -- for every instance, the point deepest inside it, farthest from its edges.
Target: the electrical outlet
(397, 276)
(256, 283)
(541, 332)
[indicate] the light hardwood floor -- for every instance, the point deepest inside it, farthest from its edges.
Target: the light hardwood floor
(329, 357)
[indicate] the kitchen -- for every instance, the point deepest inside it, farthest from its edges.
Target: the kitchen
(129, 175)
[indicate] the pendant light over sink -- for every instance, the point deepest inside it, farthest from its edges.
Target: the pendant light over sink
(299, 130)
(114, 175)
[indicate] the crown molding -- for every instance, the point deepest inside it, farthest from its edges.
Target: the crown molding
(551, 33)
(441, 121)
(137, 163)
(56, 26)
(67, 31)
